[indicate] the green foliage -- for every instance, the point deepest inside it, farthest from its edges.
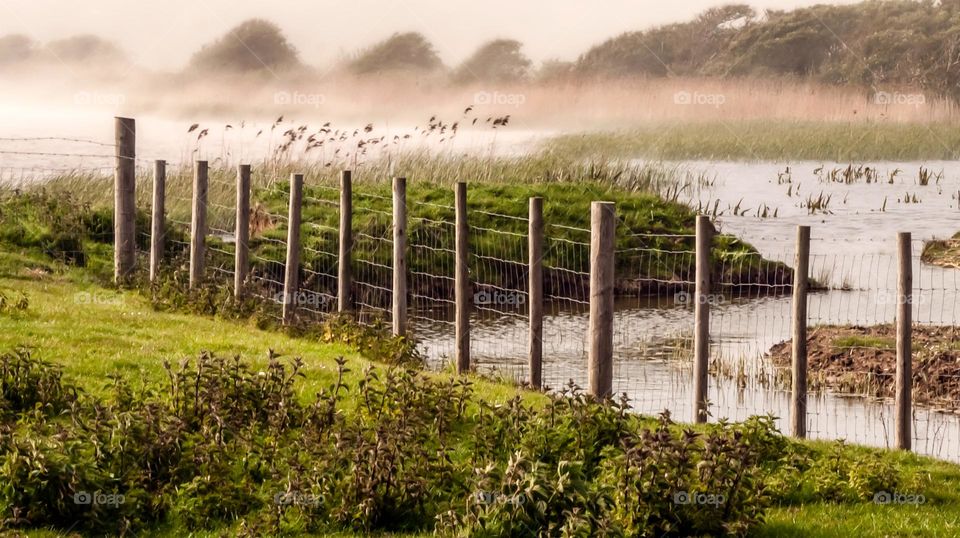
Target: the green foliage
(400, 52)
(399, 450)
(500, 61)
(888, 43)
(255, 45)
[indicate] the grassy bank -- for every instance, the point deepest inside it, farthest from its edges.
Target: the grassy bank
(113, 344)
(856, 141)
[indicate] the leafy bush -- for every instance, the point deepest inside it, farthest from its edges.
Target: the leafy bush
(223, 441)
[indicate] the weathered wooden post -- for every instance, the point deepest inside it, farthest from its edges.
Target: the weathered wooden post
(400, 256)
(701, 334)
(603, 229)
(125, 200)
(198, 223)
(462, 280)
(346, 243)
(902, 400)
(242, 230)
(291, 280)
(158, 214)
(535, 290)
(798, 396)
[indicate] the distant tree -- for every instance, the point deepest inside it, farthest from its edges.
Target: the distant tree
(254, 45)
(554, 70)
(83, 48)
(501, 60)
(15, 48)
(400, 52)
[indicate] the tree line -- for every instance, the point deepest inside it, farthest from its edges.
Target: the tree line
(874, 44)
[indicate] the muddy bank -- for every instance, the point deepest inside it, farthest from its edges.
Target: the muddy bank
(863, 361)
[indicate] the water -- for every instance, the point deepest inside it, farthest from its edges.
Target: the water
(851, 252)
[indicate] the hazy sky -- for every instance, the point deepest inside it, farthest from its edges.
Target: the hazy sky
(162, 34)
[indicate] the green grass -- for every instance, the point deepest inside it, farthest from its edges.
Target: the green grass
(938, 516)
(95, 332)
(119, 332)
(873, 342)
(768, 140)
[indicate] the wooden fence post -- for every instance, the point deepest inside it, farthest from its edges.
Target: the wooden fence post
(399, 256)
(346, 243)
(158, 214)
(242, 230)
(603, 230)
(125, 200)
(198, 223)
(701, 334)
(535, 290)
(798, 396)
(291, 280)
(462, 280)
(902, 403)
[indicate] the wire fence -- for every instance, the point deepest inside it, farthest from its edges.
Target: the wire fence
(851, 307)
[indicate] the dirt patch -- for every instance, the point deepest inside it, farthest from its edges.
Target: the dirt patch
(863, 361)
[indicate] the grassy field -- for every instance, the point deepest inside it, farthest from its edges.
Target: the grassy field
(96, 332)
(767, 140)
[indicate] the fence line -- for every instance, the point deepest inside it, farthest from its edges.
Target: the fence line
(695, 324)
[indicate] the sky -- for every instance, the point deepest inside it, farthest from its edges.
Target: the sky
(163, 34)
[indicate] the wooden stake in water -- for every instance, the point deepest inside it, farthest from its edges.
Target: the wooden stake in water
(798, 396)
(535, 290)
(701, 331)
(603, 228)
(902, 399)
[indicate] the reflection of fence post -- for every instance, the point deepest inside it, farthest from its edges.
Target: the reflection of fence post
(125, 201)
(798, 398)
(399, 256)
(462, 280)
(346, 242)
(198, 223)
(603, 229)
(242, 230)
(535, 290)
(902, 402)
(701, 330)
(291, 280)
(157, 217)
